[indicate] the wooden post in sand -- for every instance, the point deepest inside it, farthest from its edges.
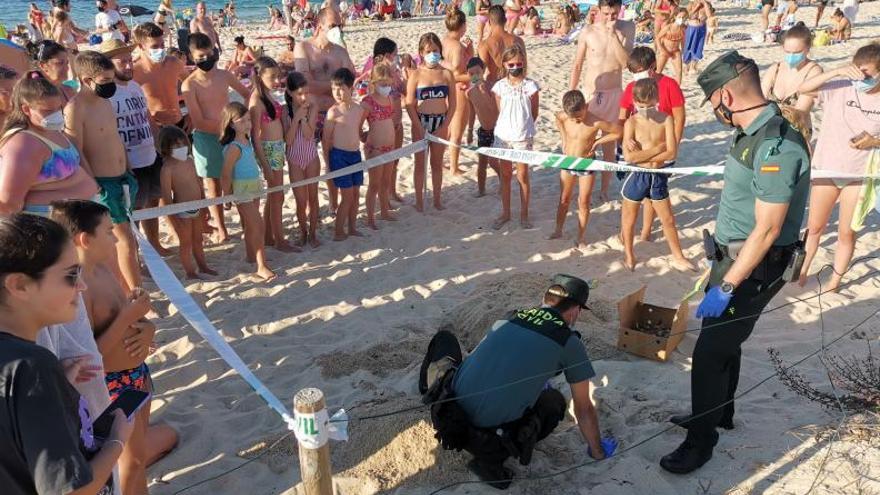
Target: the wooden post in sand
(312, 439)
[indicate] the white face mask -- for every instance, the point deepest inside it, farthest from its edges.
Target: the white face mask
(335, 36)
(278, 96)
(679, 21)
(53, 122)
(383, 90)
(638, 76)
(180, 154)
(157, 55)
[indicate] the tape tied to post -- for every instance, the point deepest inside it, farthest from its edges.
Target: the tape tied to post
(312, 430)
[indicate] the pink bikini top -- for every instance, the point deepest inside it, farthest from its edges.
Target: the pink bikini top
(266, 119)
(377, 111)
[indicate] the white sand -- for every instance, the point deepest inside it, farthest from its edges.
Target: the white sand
(353, 319)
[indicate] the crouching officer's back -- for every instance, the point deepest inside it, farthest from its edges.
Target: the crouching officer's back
(503, 403)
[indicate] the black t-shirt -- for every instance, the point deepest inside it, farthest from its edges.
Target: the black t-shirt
(45, 429)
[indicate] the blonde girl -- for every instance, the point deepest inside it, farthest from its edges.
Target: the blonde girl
(380, 139)
(241, 176)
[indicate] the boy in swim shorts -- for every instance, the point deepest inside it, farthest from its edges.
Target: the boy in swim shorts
(341, 148)
(579, 129)
(486, 109)
(122, 332)
(180, 185)
(206, 92)
(649, 141)
(90, 121)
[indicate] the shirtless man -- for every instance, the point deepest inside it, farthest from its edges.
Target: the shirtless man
(457, 50)
(480, 96)
(605, 45)
(206, 92)
(159, 76)
(318, 58)
(90, 121)
(496, 42)
(201, 23)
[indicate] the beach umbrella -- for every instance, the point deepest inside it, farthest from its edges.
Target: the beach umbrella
(134, 10)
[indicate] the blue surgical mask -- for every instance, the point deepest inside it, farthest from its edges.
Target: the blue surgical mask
(794, 59)
(432, 58)
(157, 55)
(866, 84)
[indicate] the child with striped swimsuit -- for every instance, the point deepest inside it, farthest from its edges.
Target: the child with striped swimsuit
(302, 154)
(379, 140)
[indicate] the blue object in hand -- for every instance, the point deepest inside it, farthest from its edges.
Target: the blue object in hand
(609, 445)
(714, 303)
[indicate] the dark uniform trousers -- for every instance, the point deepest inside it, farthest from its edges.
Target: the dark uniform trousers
(536, 424)
(717, 355)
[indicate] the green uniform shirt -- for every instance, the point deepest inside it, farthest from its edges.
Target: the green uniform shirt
(779, 177)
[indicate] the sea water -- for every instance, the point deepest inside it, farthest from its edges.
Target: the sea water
(13, 12)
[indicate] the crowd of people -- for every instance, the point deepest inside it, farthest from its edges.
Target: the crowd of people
(88, 136)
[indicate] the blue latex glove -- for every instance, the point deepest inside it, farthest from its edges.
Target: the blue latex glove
(609, 445)
(714, 303)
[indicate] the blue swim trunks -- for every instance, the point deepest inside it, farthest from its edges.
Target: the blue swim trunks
(340, 159)
(640, 185)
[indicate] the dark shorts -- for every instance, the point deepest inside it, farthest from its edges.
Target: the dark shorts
(340, 159)
(766, 3)
(640, 185)
(149, 184)
(485, 137)
(133, 379)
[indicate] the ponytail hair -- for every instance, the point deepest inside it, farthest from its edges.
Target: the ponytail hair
(31, 88)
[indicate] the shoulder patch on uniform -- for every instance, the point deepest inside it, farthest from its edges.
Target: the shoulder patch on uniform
(770, 168)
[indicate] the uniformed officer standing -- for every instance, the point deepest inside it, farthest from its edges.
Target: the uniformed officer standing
(755, 246)
(503, 403)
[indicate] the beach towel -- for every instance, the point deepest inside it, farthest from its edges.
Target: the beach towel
(869, 192)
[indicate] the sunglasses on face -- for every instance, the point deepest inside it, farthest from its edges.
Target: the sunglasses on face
(331, 26)
(518, 65)
(72, 275)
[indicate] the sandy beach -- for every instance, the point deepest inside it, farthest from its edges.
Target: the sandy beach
(353, 319)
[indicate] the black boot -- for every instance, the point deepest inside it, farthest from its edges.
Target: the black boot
(683, 419)
(686, 458)
(495, 474)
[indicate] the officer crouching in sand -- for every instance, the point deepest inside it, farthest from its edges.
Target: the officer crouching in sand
(503, 403)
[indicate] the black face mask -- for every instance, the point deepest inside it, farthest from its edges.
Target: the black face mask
(207, 64)
(101, 9)
(106, 90)
(724, 115)
(516, 72)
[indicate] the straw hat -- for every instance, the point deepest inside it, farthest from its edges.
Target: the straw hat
(113, 47)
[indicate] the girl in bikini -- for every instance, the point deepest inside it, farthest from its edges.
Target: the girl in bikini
(268, 135)
(302, 154)
(781, 81)
(670, 42)
(379, 139)
(430, 105)
(47, 165)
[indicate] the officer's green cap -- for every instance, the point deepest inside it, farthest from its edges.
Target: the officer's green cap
(721, 71)
(570, 287)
